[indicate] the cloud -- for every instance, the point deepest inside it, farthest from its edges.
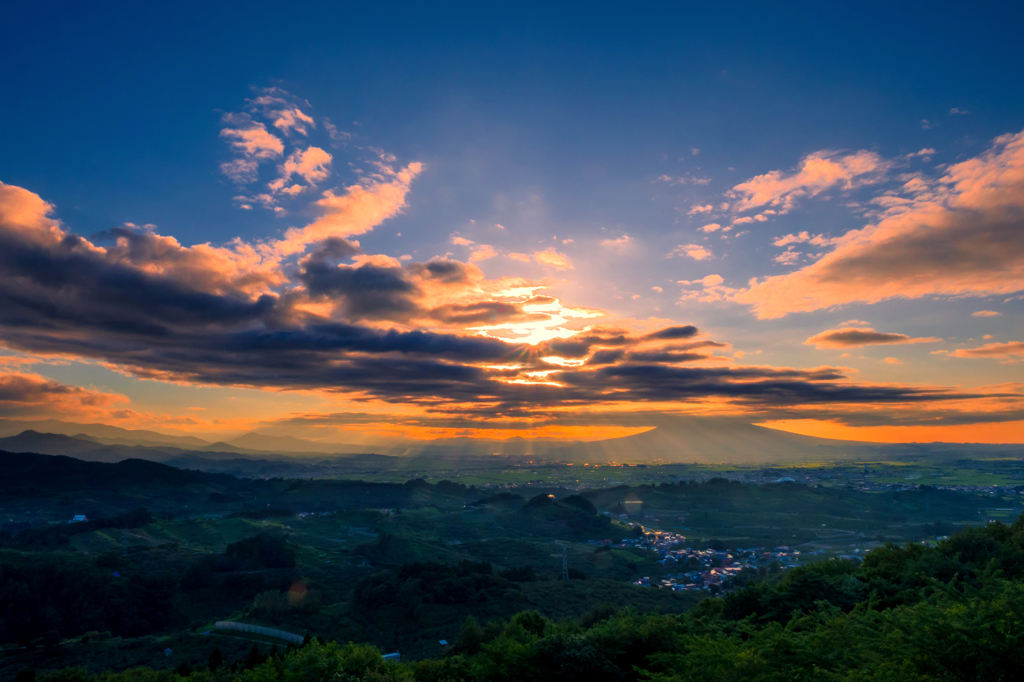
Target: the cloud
(619, 244)
(483, 252)
(25, 394)
(697, 208)
(986, 313)
(957, 236)
(253, 140)
(711, 227)
(687, 179)
(954, 111)
(853, 337)
(682, 332)
(712, 289)
(694, 251)
(658, 289)
(356, 211)
(311, 164)
(338, 137)
(521, 257)
(437, 335)
(1011, 349)
(758, 387)
(242, 171)
(788, 257)
(291, 120)
(282, 109)
(553, 258)
(817, 173)
(803, 238)
(893, 361)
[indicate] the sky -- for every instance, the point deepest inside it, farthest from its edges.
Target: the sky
(357, 224)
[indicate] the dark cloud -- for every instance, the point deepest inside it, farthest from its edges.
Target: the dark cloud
(669, 333)
(445, 271)
(208, 315)
(334, 248)
(855, 338)
(365, 292)
(606, 357)
(484, 313)
(665, 356)
(747, 384)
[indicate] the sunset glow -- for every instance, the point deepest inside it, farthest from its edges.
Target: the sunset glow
(510, 253)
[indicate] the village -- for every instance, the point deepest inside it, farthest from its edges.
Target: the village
(714, 570)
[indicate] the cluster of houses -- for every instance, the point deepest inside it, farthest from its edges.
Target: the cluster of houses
(708, 569)
(705, 569)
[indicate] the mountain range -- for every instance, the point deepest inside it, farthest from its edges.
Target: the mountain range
(673, 439)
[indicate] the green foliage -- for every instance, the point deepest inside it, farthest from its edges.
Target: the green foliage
(406, 589)
(261, 551)
(296, 599)
(56, 536)
(914, 613)
(71, 600)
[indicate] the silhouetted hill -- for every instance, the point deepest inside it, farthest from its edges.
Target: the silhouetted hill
(103, 432)
(54, 444)
(32, 474)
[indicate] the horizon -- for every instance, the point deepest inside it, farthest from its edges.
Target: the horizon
(463, 224)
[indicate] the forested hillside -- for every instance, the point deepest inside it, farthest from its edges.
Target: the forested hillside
(950, 612)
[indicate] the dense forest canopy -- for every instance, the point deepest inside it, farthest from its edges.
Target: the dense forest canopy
(954, 611)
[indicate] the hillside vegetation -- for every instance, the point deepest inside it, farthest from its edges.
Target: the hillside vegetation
(951, 612)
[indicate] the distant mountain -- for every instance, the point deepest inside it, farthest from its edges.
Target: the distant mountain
(87, 448)
(114, 434)
(58, 444)
(707, 440)
(259, 441)
(225, 459)
(674, 439)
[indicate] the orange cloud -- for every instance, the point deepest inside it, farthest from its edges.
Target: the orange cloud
(287, 120)
(553, 258)
(483, 252)
(28, 394)
(311, 164)
(357, 211)
(957, 236)
(694, 251)
(1011, 349)
(818, 172)
(619, 243)
(254, 141)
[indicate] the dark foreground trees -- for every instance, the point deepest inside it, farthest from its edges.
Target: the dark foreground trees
(952, 612)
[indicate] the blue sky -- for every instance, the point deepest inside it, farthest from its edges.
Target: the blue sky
(580, 122)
